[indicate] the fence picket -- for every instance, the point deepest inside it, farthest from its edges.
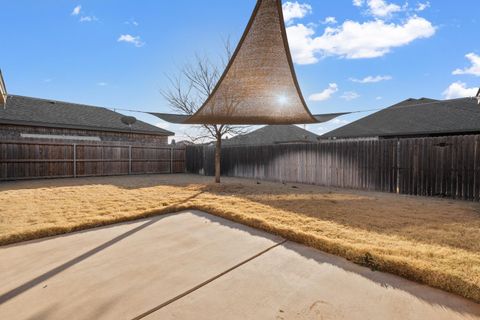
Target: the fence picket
(430, 166)
(35, 160)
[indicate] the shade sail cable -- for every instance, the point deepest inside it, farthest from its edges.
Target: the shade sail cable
(179, 118)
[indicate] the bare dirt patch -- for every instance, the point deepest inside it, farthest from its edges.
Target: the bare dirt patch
(433, 241)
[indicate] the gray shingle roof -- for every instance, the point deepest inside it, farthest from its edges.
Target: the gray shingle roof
(49, 113)
(416, 117)
(273, 134)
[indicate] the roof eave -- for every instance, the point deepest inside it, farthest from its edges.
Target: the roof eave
(399, 134)
(161, 132)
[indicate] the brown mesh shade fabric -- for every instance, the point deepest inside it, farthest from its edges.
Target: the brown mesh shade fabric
(182, 119)
(172, 118)
(259, 85)
(328, 116)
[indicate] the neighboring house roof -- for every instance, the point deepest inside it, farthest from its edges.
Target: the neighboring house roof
(416, 117)
(273, 134)
(57, 114)
(184, 143)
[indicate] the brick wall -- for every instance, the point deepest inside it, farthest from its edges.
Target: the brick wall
(13, 132)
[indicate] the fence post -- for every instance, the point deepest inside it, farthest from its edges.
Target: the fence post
(398, 166)
(74, 160)
(475, 194)
(171, 160)
(129, 160)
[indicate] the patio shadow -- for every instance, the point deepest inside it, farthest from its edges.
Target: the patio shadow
(42, 278)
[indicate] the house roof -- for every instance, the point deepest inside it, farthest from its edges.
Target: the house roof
(416, 117)
(273, 134)
(58, 114)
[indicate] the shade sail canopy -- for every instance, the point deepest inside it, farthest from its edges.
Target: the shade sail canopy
(172, 118)
(328, 116)
(185, 119)
(259, 85)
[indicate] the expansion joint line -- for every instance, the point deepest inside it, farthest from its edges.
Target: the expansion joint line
(166, 303)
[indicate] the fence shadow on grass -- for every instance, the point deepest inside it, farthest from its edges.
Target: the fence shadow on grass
(421, 220)
(47, 275)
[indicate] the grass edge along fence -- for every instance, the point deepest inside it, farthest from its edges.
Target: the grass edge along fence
(21, 160)
(432, 166)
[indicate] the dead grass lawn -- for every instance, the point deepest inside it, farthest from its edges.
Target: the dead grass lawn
(433, 241)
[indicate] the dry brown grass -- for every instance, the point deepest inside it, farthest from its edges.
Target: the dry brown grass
(433, 241)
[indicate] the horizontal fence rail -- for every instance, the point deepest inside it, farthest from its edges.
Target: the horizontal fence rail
(35, 160)
(432, 166)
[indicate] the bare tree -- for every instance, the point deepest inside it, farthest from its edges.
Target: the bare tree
(188, 90)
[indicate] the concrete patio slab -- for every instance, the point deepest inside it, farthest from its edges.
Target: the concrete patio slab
(192, 265)
(292, 281)
(121, 271)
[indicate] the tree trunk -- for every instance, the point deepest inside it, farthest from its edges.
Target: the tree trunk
(218, 151)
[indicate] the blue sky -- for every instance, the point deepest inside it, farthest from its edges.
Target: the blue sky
(349, 54)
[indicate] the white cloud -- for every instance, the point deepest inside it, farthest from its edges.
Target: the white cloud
(325, 94)
(474, 69)
(459, 90)
(378, 98)
(329, 20)
(371, 79)
(358, 3)
(76, 10)
(295, 10)
(88, 19)
(355, 40)
(132, 22)
(135, 40)
(382, 9)
(301, 41)
(422, 6)
(350, 95)
(102, 84)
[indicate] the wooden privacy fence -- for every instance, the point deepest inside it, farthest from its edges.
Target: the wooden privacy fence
(33, 159)
(434, 166)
